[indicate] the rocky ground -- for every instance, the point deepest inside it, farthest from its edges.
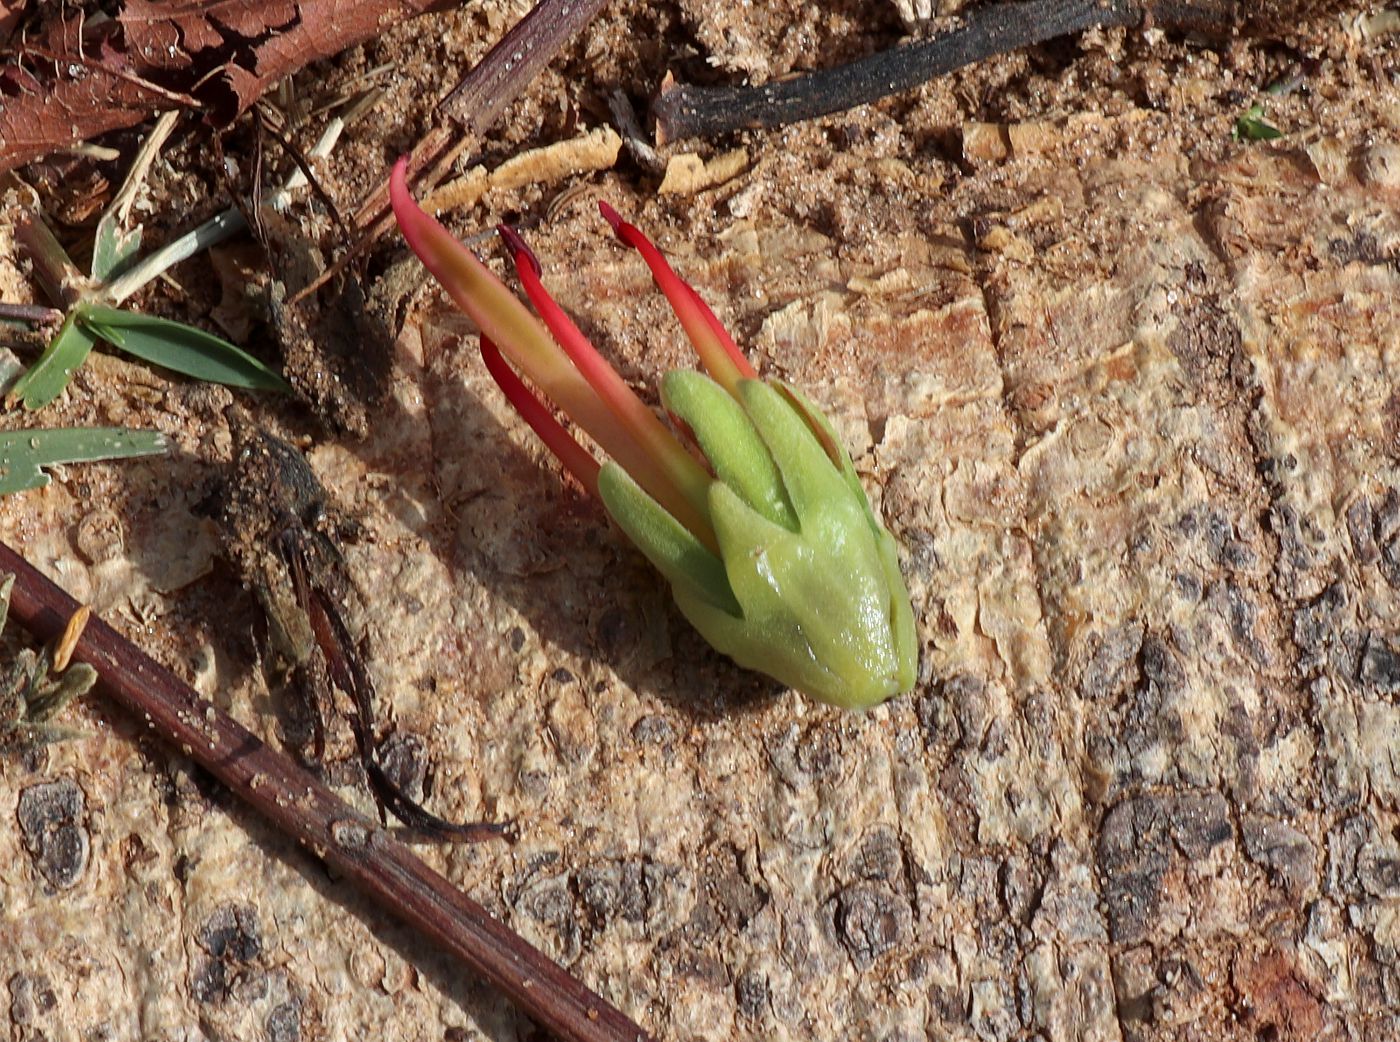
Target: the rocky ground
(1123, 385)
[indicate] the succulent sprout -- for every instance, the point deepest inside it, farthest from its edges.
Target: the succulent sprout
(770, 545)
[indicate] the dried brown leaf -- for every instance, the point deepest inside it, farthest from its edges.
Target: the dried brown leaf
(163, 33)
(76, 81)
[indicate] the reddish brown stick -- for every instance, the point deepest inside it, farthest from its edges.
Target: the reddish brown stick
(298, 804)
(495, 80)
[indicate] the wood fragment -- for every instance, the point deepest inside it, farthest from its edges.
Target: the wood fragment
(595, 150)
(474, 104)
(499, 77)
(687, 174)
(68, 640)
(460, 193)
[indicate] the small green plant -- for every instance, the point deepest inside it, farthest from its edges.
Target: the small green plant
(172, 345)
(36, 686)
(24, 454)
(754, 513)
(91, 314)
(1251, 126)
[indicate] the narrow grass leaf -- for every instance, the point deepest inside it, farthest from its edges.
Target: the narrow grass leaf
(180, 348)
(45, 379)
(113, 249)
(24, 453)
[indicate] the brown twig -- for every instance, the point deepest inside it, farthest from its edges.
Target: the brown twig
(488, 87)
(303, 164)
(437, 150)
(300, 805)
(57, 274)
(686, 111)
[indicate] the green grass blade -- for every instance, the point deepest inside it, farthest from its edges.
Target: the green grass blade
(113, 250)
(24, 453)
(46, 378)
(180, 348)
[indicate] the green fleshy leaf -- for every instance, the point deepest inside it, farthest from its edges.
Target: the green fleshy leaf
(24, 453)
(729, 441)
(808, 474)
(826, 586)
(816, 419)
(751, 645)
(901, 612)
(668, 544)
(906, 639)
(45, 379)
(181, 348)
(821, 604)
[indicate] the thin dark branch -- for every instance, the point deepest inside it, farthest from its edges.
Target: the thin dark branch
(303, 164)
(35, 314)
(348, 672)
(625, 117)
(299, 804)
(496, 80)
(685, 111)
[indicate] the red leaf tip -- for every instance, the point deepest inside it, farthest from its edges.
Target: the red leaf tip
(398, 177)
(519, 250)
(611, 216)
(629, 233)
(406, 211)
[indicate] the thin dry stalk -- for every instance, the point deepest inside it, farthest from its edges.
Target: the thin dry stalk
(300, 805)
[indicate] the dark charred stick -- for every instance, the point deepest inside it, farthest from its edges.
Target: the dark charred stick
(996, 28)
(298, 804)
(496, 80)
(632, 136)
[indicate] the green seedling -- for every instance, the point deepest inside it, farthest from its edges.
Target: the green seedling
(92, 315)
(113, 248)
(181, 348)
(770, 545)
